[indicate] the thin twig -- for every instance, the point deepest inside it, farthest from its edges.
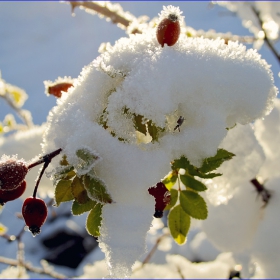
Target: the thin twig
(104, 10)
(268, 42)
(153, 250)
(28, 122)
(31, 268)
(180, 272)
(45, 158)
(124, 22)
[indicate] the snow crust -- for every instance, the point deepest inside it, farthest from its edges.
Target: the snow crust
(212, 85)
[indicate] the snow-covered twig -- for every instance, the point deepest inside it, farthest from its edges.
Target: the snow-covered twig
(21, 113)
(268, 42)
(31, 268)
(117, 16)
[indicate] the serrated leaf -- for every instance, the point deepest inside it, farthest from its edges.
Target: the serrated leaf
(192, 183)
(212, 163)
(78, 190)
(78, 209)
(183, 163)
(86, 155)
(179, 224)
(93, 221)
(173, 199)
(63, 192)
(170, 180)
(96, 189)
(193, 204)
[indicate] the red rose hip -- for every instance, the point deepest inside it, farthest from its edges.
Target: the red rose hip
(12, 173)
(34, 212)
(6, 196)
(168, 30)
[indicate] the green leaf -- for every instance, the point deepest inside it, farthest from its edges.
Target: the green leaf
(192, 183)
(173, 199)
(170, 179)
(208, 175)
(138, 124)
(193, 204)
(93, 221)
(96, 189)
(78, 190)
(63, 192)
(179, 224)
(184, 163)
(78, 209)
(212, 163)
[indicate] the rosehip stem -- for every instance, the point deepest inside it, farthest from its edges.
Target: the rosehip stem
(46, 159)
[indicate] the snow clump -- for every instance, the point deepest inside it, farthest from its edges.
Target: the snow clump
(125, 106)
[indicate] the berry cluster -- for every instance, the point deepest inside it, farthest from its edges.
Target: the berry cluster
(13, 185)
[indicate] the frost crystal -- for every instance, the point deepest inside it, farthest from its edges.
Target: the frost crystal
(129, 121)
(171, 10)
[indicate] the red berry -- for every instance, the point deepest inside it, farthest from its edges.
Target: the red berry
(57, 89)
(6, 196)
(162, 198)
(168, 30)
(34, 212)
(12, 173)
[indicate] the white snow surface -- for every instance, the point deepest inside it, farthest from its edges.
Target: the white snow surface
(211, 84)
(26, 145)
(244, 166)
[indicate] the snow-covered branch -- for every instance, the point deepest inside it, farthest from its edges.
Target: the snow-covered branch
(266, 39)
